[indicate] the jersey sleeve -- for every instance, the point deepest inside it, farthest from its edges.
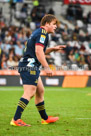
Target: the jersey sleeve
(40, 40)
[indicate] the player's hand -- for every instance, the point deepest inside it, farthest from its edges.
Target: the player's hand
(48, 71)
(59, 47)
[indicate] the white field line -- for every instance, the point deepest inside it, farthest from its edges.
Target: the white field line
(83, 118)
(16, 89)
(59, 89)
(11, 89)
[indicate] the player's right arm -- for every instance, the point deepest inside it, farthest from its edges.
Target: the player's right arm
(41, 58)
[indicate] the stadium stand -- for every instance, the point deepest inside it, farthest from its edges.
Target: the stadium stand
(18, 20)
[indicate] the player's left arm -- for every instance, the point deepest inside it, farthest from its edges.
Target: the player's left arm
(56, 48)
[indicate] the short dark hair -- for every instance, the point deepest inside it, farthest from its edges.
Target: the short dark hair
(48, 18)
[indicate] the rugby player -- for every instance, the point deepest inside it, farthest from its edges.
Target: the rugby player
(34, 56)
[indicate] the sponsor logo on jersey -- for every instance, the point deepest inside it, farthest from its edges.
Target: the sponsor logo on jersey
(42, 38)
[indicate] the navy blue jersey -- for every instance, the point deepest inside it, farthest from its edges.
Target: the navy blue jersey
(38, 37)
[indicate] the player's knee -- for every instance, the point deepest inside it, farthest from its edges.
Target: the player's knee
(41, 93)
(32, 93)
(29, 92)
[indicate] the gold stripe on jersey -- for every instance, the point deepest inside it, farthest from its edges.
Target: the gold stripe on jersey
(25, 46)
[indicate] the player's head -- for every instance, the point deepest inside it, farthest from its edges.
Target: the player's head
(49, 22)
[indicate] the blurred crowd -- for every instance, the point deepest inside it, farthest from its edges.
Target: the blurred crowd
(76, 55)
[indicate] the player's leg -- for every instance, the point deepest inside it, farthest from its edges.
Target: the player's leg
(39, 101)
(39, 95)
(29, 92)
(29, 79)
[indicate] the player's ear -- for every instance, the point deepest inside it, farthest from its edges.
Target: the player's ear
(47, 24)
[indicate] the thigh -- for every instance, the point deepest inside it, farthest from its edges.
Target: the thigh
(29, 91)
(40, 86)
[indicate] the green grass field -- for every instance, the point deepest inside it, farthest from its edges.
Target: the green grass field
(72, 105)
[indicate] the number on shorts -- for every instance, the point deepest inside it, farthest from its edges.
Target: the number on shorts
(31, 61)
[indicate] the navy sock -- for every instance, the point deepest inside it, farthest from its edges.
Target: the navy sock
(42, 111)
(20, 108)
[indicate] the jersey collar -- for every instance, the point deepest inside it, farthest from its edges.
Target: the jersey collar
(43, 28)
